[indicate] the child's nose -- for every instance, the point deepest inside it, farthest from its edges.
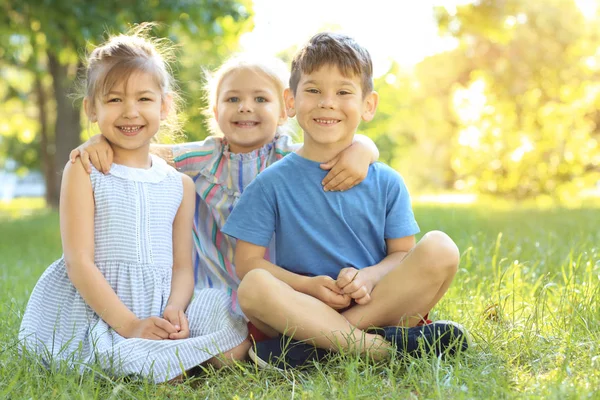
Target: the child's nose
(326, 102)
(130, 111)
(244, 107)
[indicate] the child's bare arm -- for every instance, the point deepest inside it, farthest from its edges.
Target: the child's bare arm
(98, 152)
(182, 282)
(360, 283)
(77, 232)
(164, 151)
(350, 167)
(249, 256)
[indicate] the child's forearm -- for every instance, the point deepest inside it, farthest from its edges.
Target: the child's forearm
(369, 144)
(182, 288)
(99, 295)
(296, 281)
(381, 269)
(164, 151)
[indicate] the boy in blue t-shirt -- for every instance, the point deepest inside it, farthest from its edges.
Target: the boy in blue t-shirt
(349, 274)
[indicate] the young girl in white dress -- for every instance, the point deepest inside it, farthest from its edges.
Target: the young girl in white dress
(121, 294)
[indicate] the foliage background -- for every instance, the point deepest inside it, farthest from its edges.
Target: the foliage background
(512, 111)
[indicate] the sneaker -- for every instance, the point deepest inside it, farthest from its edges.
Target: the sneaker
(283, 352)
(441, 337)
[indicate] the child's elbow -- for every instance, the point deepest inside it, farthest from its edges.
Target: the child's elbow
(241, 266)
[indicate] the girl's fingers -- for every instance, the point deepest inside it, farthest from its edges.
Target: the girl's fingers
(95, 160)
(184, 321)
(332, 179)
(109, 158)
(73, 155)
(329, 164)
(345, 184)
(165, 325)
(84, 158)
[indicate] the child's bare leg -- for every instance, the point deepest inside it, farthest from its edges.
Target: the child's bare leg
(238, 353)
(410, 290)
(271, 304)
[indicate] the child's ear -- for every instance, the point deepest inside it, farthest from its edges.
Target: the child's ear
(288, 98)
(370, 106)
(166, 106)
(88, 108)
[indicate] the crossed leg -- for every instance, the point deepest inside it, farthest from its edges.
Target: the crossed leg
(402, 297)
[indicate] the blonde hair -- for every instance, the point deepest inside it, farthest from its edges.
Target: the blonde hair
(272, 67)
(121, 55)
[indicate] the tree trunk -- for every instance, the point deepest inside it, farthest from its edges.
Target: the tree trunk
(46, 150)
(68, 124)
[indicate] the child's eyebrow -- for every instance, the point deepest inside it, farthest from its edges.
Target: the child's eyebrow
(339, 83)
(257, 91)
(137, 93)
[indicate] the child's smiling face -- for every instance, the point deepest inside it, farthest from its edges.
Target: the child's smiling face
(248, 109)
(330, 105)
(130, 114)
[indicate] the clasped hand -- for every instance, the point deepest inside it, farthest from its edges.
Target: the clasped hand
(173, 325)
(323, 287)
(356, 284)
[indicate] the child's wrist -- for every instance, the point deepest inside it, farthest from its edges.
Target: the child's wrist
(126, 328)
(303, 284)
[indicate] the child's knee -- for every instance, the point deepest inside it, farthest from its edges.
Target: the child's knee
(441, 252)
(253, 287)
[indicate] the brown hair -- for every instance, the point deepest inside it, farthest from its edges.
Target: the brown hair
(336, 49)
(121, 55)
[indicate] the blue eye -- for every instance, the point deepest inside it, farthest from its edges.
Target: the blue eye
(233, 99)
(260, 99)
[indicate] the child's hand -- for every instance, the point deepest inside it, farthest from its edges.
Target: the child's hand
(347, 169)
(355, 283)
(97, 150)
(154, 328)
(178, 319)
(324, 288)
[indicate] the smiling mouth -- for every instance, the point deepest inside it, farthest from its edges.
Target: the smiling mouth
(246, 124)
(130, 130)
(326, 121)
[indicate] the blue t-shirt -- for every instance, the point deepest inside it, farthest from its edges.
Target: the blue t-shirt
(318, 232)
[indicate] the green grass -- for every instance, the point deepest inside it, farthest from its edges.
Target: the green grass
(527, 289)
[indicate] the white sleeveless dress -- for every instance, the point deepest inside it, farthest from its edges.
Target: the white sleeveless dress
(133, 221)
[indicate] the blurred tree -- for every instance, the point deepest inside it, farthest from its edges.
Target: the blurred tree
(41, 42)
(526, 110)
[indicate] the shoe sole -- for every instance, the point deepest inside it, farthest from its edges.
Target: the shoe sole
(460, 328)
(262, 364)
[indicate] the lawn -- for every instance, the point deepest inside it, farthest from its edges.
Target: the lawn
(527, 289)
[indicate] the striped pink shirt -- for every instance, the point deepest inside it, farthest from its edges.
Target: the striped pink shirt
(220, 178)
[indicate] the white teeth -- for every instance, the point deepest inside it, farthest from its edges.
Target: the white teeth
(130, 129)
(326, 121)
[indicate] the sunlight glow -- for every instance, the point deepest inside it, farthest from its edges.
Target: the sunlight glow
(469, 103)
(470, 137)
(526, 147)
(588, 8)
(402, 31)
